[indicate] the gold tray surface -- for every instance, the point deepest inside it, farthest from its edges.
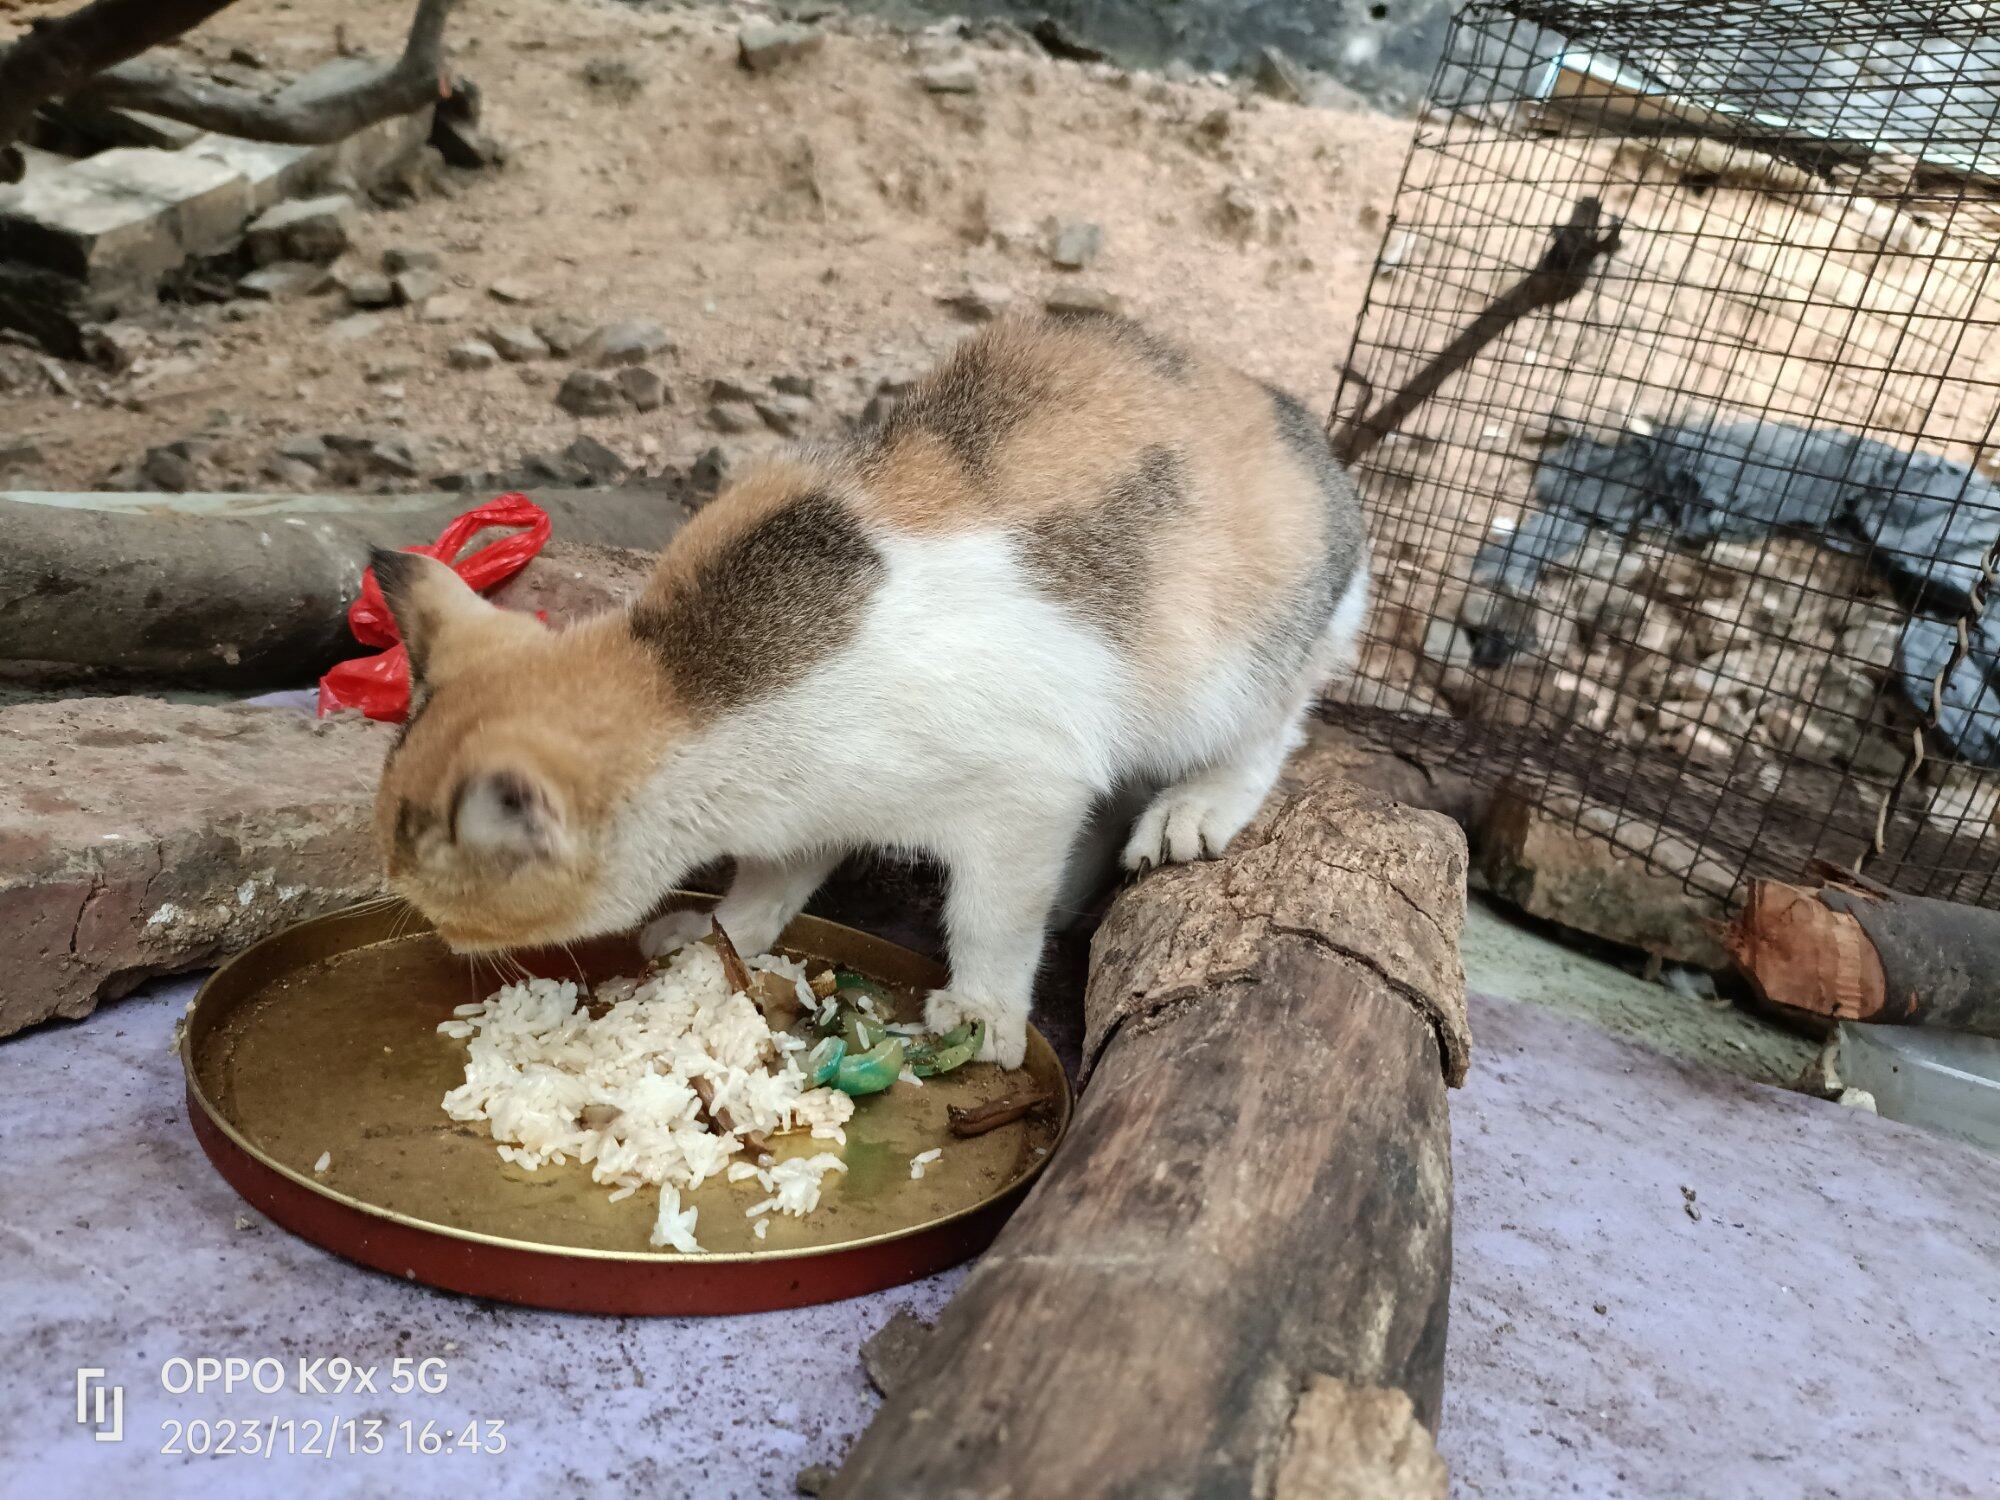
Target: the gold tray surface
(324, 1039)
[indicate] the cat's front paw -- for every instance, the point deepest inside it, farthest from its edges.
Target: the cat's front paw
(1006, 1025)
(1186, 823)
(674, 930)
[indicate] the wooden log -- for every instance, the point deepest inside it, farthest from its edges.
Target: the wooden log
(1851, 954)
(160, 598)
(1241, 1257)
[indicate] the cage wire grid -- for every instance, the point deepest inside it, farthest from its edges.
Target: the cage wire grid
(1700, 556)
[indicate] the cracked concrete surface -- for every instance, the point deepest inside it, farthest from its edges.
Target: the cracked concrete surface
(1824, 1329)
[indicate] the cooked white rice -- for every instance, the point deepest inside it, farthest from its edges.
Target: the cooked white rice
(921, 1160)
(538, 1068)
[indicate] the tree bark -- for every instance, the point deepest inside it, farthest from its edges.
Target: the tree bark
(1849, 954)
(57, 56)
(415, 79)
(240, 603)
(1239, 1262)
(88, 56)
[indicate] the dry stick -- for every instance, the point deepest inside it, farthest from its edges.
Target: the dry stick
(58, 56)
(980, 1118)
(87, 57)
(413, 80)
(1561, 274)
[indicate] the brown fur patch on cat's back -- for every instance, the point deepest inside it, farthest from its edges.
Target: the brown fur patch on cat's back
(770, 578)
(1158, 494)
(1024, 417)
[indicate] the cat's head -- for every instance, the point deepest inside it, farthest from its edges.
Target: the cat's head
(500, 809)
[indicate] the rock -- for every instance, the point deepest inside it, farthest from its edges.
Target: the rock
(573, 581)
(290, 471)
(785, 415)
(304, 447)
(1058, 40)
(369, 289)
(888, 1354)
(146, 838)
(284, 278)
(472, 354)
(628, 343)
(396, 457)
(955, 75)
(124, 216)
(764, 45)
(312, 229)
(1075, 245)
(446, 307)
(116, 346)
(726, 388)
(513, 291)
(978, 302)
(730, 416)
(400, 258)
(1278, 77)
(814, 1479)
(586, 393)
(614, 77)
(354, 327)
(793, 385)
(417, 286)
(1550, 868)
(643, 387)
(170, 467)
(1247, 215)
(710, 471)
(517, 344)
(463, 144)
(594, 461)
(563, 334)
(1083, 299)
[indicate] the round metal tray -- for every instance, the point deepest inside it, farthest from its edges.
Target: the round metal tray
(323, 1039)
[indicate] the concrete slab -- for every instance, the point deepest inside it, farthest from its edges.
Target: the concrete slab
(124, 1250)
(1505, 955)
(1824, 1328)
(124, 215)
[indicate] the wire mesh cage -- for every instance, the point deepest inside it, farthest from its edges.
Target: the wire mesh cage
(1696, 531)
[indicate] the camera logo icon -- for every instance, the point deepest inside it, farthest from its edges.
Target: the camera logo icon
(100, 1405)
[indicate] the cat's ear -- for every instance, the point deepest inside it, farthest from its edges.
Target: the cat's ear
(509, 814)
(427, 599)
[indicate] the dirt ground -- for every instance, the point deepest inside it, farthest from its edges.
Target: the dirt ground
(803, 221)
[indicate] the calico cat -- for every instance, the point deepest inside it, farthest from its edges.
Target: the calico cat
(1076, 558)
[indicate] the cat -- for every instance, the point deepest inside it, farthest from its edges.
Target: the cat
(1077, 557)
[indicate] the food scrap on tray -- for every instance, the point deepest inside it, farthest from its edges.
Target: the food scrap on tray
(689, 1071)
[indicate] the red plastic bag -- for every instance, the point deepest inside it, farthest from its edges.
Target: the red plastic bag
(379, 685)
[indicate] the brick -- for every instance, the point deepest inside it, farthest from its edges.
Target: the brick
(271, 171)
(140, 837)
(315, 229)
(125, 215)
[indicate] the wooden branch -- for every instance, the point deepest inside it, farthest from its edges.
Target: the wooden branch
(415, 79)
(58, 56)
(1857, 954)
(1238, 1264)
(1562, 273)
(201, 600)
